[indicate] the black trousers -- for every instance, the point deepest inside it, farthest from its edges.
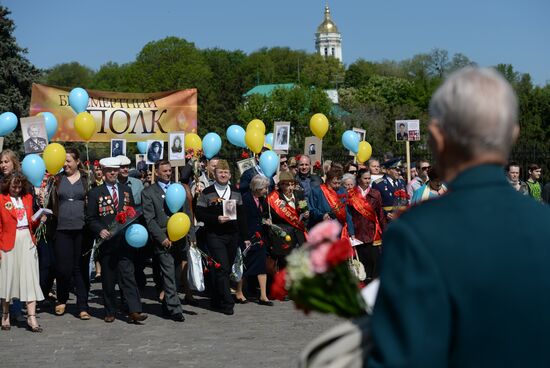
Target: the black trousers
(117, 266)
(68, 253)
(222, 249)
(169, 265)
(46, 265)
(369, 255)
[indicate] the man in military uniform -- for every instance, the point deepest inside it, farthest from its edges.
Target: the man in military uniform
(388, 184)
(35, 143)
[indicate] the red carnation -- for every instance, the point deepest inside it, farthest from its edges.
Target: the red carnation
(87, 163)
(217, 265)
(96, 163)
(245, 155)
(209, 262)
(257, 234)
(317, 165)
(297, 158)
(131, 212)
(278, 289)
(261, 243)
(339, 252)
(285, 246)
(206, 270)
(121, 217)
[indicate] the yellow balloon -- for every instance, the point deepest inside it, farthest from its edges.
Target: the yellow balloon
(54, 157)
(319, 125)
(254, 139)
(84, 124)
(193, 141)
(364, 152)
(178, 226)
(256, 124)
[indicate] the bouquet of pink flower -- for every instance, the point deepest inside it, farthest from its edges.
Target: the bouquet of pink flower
(318, 276)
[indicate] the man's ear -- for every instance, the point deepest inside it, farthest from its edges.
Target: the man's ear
(437, 136)
(515, 133)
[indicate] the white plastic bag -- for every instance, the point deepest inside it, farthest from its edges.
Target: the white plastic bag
(237, 268)
(194, 269)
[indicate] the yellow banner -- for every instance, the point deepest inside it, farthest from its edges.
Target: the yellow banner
(135, 117)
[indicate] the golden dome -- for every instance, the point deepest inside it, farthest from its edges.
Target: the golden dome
(328, 26)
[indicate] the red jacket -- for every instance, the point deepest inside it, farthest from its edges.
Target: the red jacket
(8, 221)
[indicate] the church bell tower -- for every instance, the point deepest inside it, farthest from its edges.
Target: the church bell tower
(328, 41)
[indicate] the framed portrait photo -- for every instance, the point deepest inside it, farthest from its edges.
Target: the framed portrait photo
(118, 147)
(35, 138)
(155, 151)
(313, 147)
(141, 163)
(246, 164)
(362, 133)
(407, 130)
(176, 148)
(230, 209)
(281, 136)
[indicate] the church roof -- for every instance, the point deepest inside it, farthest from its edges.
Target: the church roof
(328, 26)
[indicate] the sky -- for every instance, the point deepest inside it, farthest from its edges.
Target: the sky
(96, 32)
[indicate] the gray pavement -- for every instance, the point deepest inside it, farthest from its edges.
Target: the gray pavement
(255, 336)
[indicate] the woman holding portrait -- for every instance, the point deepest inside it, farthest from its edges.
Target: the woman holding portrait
(19, 274)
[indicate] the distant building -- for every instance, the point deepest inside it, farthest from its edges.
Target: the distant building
(328, 41)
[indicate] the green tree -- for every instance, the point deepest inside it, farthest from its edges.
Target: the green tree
(321, 72)
(69, 75)
(16, 77)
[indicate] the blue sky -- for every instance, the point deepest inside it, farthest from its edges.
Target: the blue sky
(95, 32)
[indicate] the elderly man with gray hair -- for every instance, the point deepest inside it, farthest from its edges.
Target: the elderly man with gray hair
(464, 277)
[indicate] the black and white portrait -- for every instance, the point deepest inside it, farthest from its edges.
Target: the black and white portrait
(176, 148)
(312, 149)
(35, 138)
(141, 164)
(230, 209)
(118, 147)
(155, 151)
(281, 136)
(401, 131)
(246, 164)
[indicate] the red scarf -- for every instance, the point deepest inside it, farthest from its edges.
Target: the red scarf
(285, 211)
(365, 209)
(338, 207)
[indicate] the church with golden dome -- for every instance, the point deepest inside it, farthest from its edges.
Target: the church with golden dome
(328, 41)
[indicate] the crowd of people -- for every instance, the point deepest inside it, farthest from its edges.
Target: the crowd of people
(41, 248)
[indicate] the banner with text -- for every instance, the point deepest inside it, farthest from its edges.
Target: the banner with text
(135, 117)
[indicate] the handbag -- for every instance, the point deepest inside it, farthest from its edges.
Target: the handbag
(194, 269)
(357, 267)
(237, 268)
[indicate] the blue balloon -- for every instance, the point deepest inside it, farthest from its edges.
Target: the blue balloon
(136, 235)
(269, 162)
(175, 197)
(34, 169)
(51, 124)
(8, 123)
(211, 144)
(235, 135)
(142, 147)
(269, 139)
(78, 99)
(350, 140)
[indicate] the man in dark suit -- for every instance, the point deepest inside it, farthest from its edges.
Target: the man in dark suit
(464, 277)
(115, 255)
(168, 254)
(34, 143)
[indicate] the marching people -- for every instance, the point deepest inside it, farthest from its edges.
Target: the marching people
(422, 167)
(67, 200)
(248, 174)
(19, 273)
(168, 254)
(534, 187)
(388, 185)
(255, 255)
(513, 176)
(432, 189)
(222, 233)
(135, 185)
(305, 178)
(115, 255)
(288, 210)
(369, 222)
(328, 201)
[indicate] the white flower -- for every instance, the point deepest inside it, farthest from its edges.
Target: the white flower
(298, 266)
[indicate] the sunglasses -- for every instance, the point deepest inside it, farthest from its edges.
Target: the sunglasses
(352, 171)
(425, 168)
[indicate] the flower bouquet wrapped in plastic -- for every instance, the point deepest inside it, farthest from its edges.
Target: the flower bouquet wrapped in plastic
(318, 276)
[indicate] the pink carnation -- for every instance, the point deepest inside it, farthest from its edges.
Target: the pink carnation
(326, 231)
(318, 257)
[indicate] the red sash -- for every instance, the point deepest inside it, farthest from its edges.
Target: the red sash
(285, 211)
(365, 209)
(337, 206)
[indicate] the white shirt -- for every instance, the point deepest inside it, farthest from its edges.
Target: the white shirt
(364, 192)
(18, 204)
